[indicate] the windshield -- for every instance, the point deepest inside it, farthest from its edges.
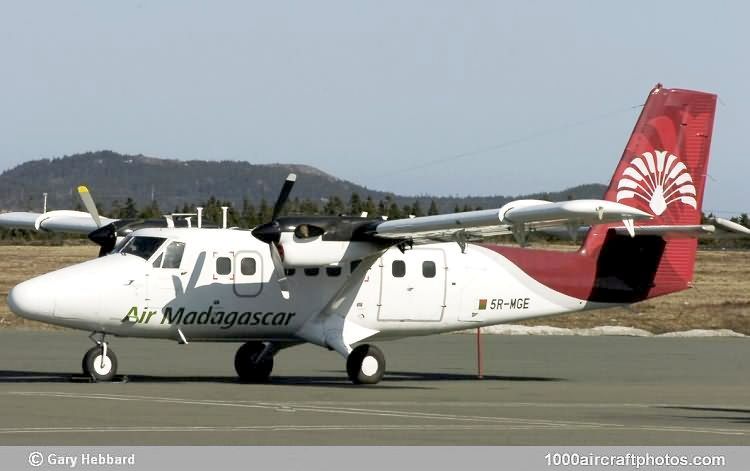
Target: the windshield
(142, 246)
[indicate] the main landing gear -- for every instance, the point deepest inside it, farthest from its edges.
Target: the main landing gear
(254, 361)
(365, 365)
(100, 362)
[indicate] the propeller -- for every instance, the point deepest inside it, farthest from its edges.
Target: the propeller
(103, 236)
(88, 203)
(270, 233)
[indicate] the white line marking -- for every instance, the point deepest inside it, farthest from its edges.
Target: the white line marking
(327, 410)
(502, 423)
(258, 428)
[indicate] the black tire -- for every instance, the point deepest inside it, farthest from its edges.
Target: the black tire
(84, 365)
(246, 363)
(92, 364)
(365, 365)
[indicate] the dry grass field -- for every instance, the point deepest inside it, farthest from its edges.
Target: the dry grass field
(720, 299)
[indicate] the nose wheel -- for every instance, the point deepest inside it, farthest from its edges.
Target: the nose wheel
(100, 362)
(254, 362)
(365, 365)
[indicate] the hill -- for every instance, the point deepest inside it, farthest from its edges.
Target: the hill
(114, 177)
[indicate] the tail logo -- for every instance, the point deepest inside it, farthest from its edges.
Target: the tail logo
(659, 179)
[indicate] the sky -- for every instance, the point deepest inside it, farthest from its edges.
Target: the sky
(415, 97)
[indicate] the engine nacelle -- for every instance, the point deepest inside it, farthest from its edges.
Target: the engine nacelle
(316, 252)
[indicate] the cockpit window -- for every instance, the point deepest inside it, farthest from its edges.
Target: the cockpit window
(308, 231)
(142, 246)
(173, 255)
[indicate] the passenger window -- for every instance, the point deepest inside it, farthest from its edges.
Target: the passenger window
(173, 255)
(333, 271)
(289, 271)
(312, 271)
(223, 266)
(248, 266)
(428, 269)
(398, 269)
(157, 262)
(353, 266)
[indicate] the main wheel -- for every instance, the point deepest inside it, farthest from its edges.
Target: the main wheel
(365, 365)
(99, 367)
(84, 365)
(249, 368)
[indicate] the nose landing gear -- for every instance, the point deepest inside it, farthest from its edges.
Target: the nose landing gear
(100, 362)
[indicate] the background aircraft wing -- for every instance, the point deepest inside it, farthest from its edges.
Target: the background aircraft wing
(76, 222)
(516, 217)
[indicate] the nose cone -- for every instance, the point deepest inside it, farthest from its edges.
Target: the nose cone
(33, 299)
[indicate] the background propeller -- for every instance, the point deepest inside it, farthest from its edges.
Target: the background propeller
(270, 233)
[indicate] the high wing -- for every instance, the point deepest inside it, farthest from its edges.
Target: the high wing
(517, 218)
(76, 222)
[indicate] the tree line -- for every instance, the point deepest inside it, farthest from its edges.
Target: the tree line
(250, 215)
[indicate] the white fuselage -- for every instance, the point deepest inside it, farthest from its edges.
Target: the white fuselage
(225, 289)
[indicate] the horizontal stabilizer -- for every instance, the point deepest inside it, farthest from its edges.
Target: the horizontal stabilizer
(719, 229)
(698, 230)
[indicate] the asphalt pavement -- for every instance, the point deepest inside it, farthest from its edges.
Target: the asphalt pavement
(535, 391)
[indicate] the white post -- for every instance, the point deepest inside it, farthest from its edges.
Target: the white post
(224, 216)
(45, 202)
(200, 216)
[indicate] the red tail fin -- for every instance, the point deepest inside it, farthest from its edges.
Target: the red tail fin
(663, 171)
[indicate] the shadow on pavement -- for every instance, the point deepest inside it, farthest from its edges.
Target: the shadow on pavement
(336, 379)
(743, 418)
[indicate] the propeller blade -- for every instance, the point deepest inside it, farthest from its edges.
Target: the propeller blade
(88, 203)
(278, 267)
(270, 232)
(283, 196)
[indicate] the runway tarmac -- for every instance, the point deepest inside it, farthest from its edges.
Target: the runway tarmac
(536, 391)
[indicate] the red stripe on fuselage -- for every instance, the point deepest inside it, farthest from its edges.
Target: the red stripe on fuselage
(623, 270)
(570, 273)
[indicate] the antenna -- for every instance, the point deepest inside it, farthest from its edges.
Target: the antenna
(44, 210)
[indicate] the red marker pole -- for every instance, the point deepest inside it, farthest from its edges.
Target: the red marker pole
(479, 353)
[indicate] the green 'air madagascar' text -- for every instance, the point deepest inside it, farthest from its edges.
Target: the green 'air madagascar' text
(224, 319)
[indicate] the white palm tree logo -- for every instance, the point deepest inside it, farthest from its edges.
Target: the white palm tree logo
(659, 179)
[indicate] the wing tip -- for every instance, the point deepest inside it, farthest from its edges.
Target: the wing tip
(82, 189)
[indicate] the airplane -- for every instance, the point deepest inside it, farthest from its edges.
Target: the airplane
(345, 282)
